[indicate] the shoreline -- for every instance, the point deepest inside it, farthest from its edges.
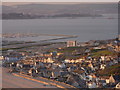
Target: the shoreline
(35, 37)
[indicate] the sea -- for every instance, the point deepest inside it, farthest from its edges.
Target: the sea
(86, 28)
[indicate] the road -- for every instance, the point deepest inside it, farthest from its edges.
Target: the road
(16, 80)
(11, 81)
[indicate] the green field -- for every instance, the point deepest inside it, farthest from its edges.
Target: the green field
(98, 53)
(112, 70)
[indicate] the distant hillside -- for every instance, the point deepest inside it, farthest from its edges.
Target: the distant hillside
(51, 9)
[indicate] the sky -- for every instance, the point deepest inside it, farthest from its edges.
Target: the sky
(59, 0)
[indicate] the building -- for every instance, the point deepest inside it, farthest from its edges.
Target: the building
(1, 57)
(118, 86)
(71, 43)
(119, 37)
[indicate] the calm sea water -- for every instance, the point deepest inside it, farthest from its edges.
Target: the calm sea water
(86, 28)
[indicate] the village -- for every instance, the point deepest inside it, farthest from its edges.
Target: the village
(92, 64)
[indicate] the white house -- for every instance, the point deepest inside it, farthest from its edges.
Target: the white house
(92, 85)
(103, 58)
(1, 57)
(118, 86)
(102, 66)
(62, 65)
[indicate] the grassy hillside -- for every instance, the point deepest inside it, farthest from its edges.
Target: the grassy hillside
(114, 70)
(102, 52)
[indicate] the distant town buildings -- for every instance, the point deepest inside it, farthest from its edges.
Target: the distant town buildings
(78, 66)
(119, 37)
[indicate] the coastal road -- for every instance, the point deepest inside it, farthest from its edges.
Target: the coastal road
(16, 80)
(11, 81)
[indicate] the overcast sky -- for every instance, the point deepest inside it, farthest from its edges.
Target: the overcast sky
(59, 0)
